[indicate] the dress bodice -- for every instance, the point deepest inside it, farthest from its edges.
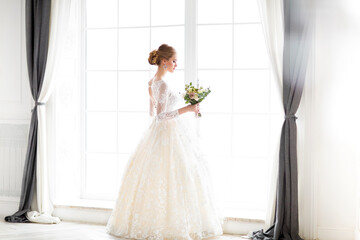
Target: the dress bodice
(166, 101)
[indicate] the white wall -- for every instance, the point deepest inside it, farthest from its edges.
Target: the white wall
(14, 87)
(15, 103)
(336, 117)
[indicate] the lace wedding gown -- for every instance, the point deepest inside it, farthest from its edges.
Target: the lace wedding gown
(166, 188)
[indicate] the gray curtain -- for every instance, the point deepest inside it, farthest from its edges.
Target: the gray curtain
(37, 17)
(297, 39)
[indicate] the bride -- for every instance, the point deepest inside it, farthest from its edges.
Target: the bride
(166, 190)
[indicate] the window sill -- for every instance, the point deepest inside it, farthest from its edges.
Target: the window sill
(86, 204)
(258, 216)
(107, 206)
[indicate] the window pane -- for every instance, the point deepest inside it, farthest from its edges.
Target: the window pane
(101, 175)
(134, 48)
(251, 91)
(246, 11)
(220, 83)
(242, 172)
(101, 91)
(219, 167)
(131, 127)
(133, 91)
(215, 131)
(101, 132)
(165, 12)
(215, 46)
(250, 50)
(123, 160)
(251, 135)
(127, 10)
(214, 11)
(101, 48)
(101, 13)
(173, 36)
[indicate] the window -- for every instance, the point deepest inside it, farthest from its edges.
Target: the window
(118, 38)
(244, 105)
(221, 44)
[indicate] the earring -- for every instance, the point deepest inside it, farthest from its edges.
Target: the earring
(165, 66)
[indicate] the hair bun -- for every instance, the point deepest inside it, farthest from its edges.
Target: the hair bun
(163, 52)
(153, 57)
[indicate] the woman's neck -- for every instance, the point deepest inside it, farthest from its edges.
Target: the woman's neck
(160, 74)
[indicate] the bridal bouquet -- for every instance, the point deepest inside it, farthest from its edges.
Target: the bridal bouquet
(195, 95)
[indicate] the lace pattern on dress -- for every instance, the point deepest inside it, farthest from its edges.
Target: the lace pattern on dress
(165, 101)
(166, 191)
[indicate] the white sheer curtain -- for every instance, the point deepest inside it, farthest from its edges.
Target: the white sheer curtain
(58, 23)
(272, 15)
(271, 12)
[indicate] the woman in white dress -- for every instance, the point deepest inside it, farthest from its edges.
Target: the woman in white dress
(166, 189)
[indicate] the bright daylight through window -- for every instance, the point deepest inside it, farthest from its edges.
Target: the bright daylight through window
(242, 116)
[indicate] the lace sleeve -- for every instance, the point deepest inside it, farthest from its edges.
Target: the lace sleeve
(161, 106)
(152, 102)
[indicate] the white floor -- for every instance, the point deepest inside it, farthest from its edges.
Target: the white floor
(65, 231)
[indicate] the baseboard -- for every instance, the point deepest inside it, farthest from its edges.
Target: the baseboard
(327, 233)
(8, 205)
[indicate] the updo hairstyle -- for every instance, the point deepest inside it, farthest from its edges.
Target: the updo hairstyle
(163, 52)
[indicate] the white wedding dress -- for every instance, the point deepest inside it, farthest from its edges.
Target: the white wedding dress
(166, 189)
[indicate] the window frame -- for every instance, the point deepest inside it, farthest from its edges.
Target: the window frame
(190, 72)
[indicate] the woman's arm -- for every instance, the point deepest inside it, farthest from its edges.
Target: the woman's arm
(189, 108)
(162, 113)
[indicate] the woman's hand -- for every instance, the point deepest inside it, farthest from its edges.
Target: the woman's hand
(194, 108)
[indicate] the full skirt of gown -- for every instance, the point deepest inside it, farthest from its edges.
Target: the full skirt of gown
(166, 189)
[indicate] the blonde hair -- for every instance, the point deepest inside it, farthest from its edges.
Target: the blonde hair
(163, 52)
